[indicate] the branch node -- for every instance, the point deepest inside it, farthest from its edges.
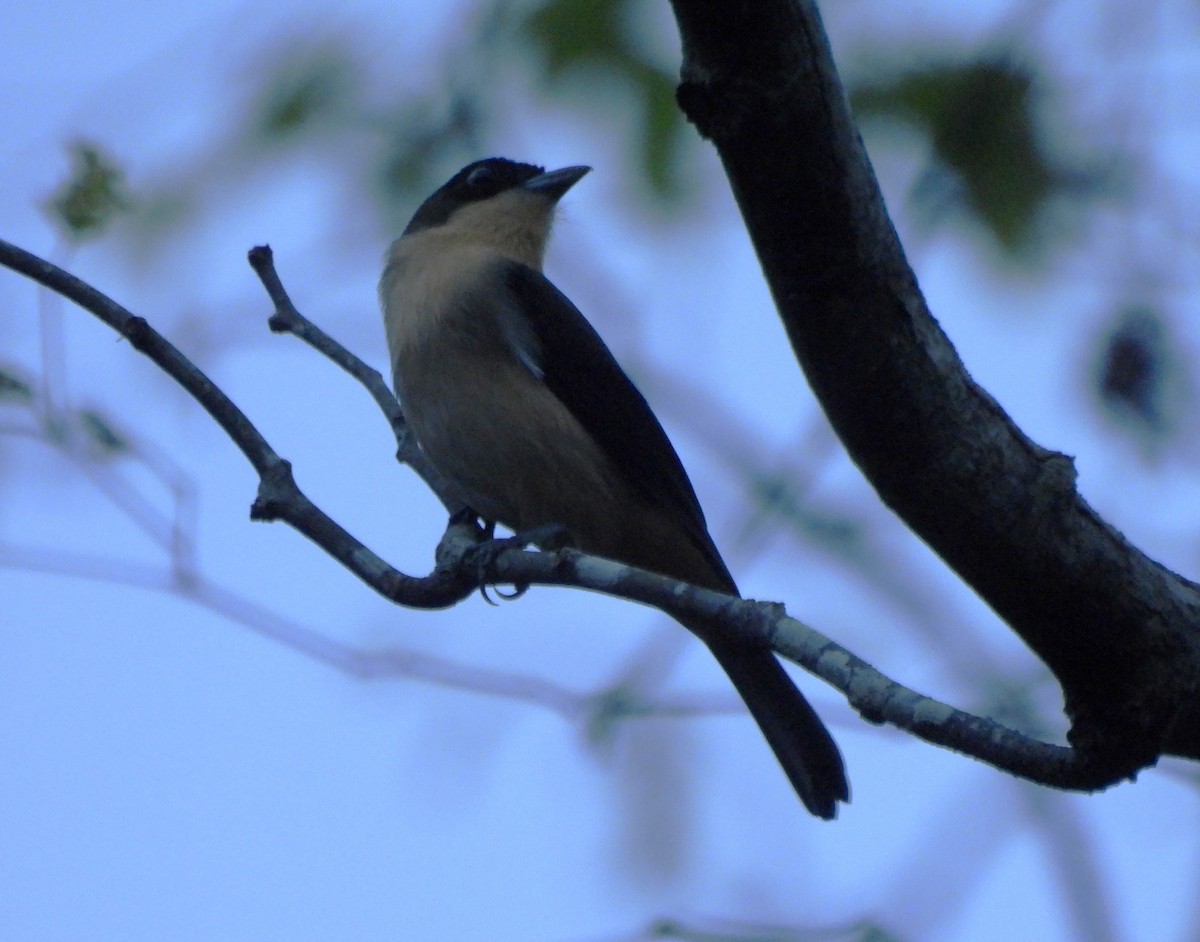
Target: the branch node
(462, 534)
(138, 332)
(276, 491)
(715, 120)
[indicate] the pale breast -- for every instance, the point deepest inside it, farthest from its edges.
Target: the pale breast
(480, 412)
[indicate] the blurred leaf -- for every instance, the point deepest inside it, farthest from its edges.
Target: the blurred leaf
(569, 33)
(609, 711)
(426, 140)
(593, 35)
(305, 89)
(93, 196)
(1136, 372)
(406, 169)
(101, 433)
(163, 209)
(14, 386)
(982, 121)
(661, 131)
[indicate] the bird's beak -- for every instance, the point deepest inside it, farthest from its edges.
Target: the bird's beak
(556, 182)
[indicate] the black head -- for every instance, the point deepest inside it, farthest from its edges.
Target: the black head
(485, 179)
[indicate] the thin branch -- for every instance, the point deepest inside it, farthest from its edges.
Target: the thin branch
(288, 319)
(67, 433)
(878, 698)
(1077, 865)
(612, 702)
(279, 498)
(463, 564)
(875, 696)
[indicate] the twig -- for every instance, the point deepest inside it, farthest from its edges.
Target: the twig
(461, 568)
(287, 319)
(279, 498)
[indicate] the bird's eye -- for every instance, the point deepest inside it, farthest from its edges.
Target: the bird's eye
(481, 177)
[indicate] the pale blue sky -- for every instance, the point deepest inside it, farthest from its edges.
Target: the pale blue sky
(166, 772)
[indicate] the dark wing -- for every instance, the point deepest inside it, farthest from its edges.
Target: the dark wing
(555, 339)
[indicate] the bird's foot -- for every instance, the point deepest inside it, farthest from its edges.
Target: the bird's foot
(466, 515)
(551, 537)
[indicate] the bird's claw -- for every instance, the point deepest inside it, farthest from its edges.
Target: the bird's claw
(482, 557)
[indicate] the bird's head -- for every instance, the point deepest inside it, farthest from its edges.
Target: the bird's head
(499, 203)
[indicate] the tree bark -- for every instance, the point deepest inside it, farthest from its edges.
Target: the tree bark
(1118, 630)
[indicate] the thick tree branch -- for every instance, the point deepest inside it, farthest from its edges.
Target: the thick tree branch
(1117, 629)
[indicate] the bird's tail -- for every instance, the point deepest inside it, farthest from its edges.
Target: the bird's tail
(791, 726)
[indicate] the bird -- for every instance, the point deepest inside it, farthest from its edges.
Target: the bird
(518, 403)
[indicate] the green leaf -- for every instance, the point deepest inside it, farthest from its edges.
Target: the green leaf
(570, 33)
(592, 38)
(661, 131)
(424, 140)
(307, 89)
(93, 196)
(984, 123)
